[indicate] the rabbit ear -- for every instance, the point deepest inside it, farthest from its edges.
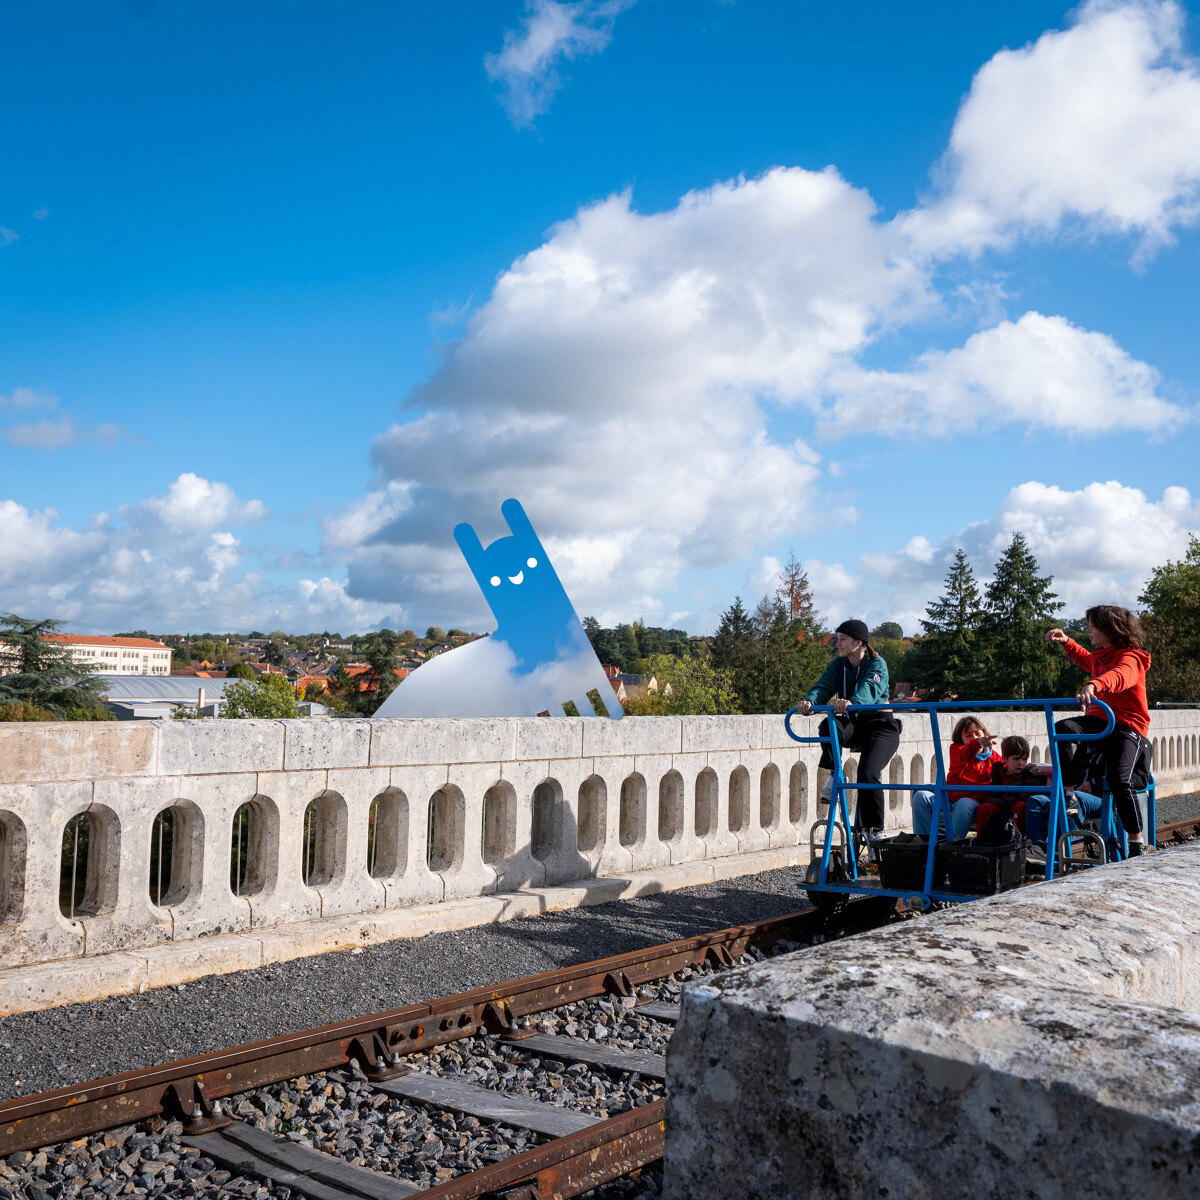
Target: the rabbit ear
(469, 543)
(518, 522)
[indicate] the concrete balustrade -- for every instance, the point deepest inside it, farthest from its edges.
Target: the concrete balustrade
(462, 809)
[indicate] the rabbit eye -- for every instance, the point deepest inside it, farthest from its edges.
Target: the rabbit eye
(495, 581)
(531, 562)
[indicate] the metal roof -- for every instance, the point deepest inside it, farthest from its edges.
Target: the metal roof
(160, 687)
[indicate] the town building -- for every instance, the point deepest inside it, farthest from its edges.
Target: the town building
(117, 655)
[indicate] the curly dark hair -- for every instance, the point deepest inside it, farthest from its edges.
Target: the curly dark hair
(1118, 624)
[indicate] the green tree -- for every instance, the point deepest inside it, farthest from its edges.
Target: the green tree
(45, 673)
(604, 642)
(181, 656)
(626, 647)
(947, 660)
(242, 670)
(433, 635)
(887, 631)
(734, 651)
(274, 654)
(1018, 609)
(686, 686)
(374, 685)
(268, 696)
(137, 633)
(1172, 622)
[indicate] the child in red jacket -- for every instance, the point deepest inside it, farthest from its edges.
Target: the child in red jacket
(971, 759)
(1118, 667)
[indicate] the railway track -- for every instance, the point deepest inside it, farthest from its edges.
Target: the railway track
(388, 1059)
(1177, 832)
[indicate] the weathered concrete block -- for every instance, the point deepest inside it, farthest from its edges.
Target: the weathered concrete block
(970, 1054)
(320, 745)
(550, 737)
(721, 733)
(405, 741)
(54, 750)
(219, 747)
(637, 735)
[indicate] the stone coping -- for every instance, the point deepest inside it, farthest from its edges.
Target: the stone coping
(1044, 1043)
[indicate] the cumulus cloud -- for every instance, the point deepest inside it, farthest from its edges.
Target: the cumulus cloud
(618, 381)
(1096, 126)
(1100, 544)
(170, 562)
(1040, 372)
(551, 32)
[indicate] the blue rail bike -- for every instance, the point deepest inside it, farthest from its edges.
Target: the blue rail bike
(838, 877)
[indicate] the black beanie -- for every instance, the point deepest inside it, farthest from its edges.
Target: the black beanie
(856, 629)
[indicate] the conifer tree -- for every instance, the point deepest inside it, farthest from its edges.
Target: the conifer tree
(45, 674)
(947, 660)
(1019, 608)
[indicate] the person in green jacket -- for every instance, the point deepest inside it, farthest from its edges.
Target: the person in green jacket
(857, 676)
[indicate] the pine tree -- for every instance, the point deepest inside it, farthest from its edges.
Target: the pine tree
(734, 650)
(1019, 608)
(947, 660)
(45, 674)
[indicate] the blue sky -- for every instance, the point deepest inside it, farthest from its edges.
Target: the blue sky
(287, 290)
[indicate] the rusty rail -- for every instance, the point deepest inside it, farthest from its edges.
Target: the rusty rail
(1177, 832)
(187, 1089)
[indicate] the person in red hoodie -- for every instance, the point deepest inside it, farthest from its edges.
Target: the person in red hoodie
(1118, 667)
(971, 760)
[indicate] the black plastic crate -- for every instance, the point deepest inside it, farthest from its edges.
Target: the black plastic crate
(985, 870)
(902, 863)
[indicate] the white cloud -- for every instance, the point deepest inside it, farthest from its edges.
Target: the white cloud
(61, 433)
(617, 380)
(1096, 126)
(1038, 372)
(40, 214)
(551, 31)
(24, 397)
(1100, 544)
(170, 562)
(7, 236)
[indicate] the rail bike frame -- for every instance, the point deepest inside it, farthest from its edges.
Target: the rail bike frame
(839, 810)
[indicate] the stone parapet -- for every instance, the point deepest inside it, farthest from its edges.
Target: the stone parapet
(337, 818)
(1043, 1043)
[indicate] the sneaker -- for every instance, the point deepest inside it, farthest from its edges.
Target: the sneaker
(874, 837)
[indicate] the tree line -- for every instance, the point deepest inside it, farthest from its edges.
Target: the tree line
(976, 643)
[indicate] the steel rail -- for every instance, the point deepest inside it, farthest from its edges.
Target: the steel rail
(187, 1088)
(1177, 832)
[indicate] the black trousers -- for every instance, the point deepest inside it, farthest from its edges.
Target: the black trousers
(876, 737)
(1121, 751)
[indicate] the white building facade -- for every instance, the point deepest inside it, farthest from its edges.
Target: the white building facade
(117, 655)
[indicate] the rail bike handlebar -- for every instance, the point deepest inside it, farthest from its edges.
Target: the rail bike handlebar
(933, 707)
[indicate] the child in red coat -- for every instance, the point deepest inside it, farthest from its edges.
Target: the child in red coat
(1118, 667)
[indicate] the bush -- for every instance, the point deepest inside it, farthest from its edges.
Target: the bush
(18, 710)
(270, 696)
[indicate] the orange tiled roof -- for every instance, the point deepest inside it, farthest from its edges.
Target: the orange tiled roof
(84, 639)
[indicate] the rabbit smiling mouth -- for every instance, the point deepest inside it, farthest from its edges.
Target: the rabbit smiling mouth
(519, 577)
